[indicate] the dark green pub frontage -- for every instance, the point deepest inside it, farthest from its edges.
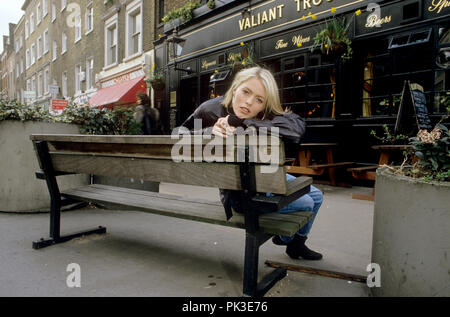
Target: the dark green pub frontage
(342, 100)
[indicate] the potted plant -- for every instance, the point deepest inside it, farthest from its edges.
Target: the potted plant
(156, 80)
(411, 218)
(244, 59)
(333, 40)
(334, 43)
(183, 14)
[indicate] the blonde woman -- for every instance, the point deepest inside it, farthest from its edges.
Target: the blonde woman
(253, 101)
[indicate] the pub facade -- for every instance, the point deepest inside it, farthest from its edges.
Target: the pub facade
(341, 99)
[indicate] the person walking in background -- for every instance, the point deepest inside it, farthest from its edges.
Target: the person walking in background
(148, 116)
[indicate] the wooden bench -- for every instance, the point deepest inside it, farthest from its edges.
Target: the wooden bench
(150, 158)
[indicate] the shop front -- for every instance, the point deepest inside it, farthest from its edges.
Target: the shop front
(342, 99)
(120, 90)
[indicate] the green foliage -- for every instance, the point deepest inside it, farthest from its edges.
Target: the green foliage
(432, 151)
(157, 75)
(333, 39)
(388, 137)
(211, 4)
(13, 110)
(91, 120)
(185, 13)
(429, 156)
(244, 59)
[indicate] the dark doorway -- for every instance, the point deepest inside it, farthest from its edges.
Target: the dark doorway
(189, 97)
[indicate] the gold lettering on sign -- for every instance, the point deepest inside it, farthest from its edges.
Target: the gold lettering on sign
(307, 4)
(299, 40)
(438, 5)
(262, 17)
(281, 44)
(374, 21)
(206, 65)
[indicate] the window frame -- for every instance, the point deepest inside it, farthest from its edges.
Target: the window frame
(111, 23)
(133, 9)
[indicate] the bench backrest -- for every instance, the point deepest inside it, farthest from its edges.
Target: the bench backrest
(191, 160)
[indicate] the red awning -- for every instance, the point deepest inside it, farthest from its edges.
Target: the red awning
(123, 93)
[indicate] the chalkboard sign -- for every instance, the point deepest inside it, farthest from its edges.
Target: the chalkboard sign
(412, 113)
(420, 104)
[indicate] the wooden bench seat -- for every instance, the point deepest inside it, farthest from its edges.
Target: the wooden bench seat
(242, 166)
(181, 207)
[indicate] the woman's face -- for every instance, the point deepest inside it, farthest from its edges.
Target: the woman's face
(249, 98)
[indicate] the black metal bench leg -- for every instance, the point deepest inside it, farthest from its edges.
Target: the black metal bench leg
(254, 238)
(251, 264)
(42, 243)
(55, 202)
(251, 286)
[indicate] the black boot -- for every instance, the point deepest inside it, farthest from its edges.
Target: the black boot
(297, 248)
(277, 240)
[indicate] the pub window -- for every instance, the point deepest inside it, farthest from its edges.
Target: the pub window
(218, 84)
(306, 83)
(411, 11)
(410, 39)
(442, 75)
(388, 62)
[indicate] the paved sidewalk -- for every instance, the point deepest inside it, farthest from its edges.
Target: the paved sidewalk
(150, 255)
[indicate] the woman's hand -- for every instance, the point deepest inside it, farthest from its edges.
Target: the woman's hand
(222, 128)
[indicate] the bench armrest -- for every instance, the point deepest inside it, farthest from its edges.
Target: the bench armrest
(296, 188)
(297, 184)
(41, 175)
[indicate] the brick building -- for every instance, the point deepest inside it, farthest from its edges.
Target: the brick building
(19, 52)
(72, 50)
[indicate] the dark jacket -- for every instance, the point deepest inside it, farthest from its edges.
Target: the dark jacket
(291, 129)
(291, 126)
(149, 117)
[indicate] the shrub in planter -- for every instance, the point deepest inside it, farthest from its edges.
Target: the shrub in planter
(184, 13)
(90, 120)
(14, 110)
(432, 149)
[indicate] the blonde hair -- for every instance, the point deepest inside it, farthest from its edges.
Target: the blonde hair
(272, 105)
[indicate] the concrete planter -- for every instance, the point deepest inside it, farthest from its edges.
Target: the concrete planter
(20, 191)
(411, 240)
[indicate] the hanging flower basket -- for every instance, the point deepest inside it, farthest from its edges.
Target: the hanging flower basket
(156, 84)
(333, 40)
(242, 60)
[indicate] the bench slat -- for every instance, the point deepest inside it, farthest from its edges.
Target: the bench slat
(209, 212)
(291, 217)
(226, 176)
(197, 153)
(178, 202)
(202, 148)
